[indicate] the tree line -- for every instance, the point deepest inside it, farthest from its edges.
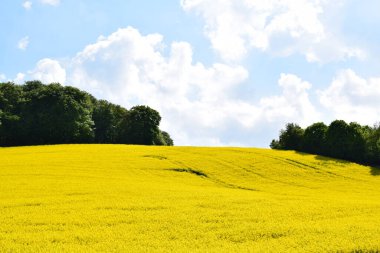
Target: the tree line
(38, 114)
(352, 142)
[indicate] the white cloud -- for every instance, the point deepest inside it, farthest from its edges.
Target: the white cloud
(129, 68)
(293, 105)
(282, 27)
(51, 2)
(194, 100)
(27, 5)
(353, 98)
(2, 77)
(49, 71)
(19, 78)
(23, 43)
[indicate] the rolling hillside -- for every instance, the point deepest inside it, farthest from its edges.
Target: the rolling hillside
(117, 198)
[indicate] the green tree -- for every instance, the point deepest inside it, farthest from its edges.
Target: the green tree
(54, 114)
(345, 141)
(275, 144)
(291, 137)
(34, 113)
(351, 142)
(107, 118)
(163, 139)
(141, 126)
(159, 139)
(357, 143)
(372, 139)
(337, 139)
(314, 139)
(11, 97)
(168, 140)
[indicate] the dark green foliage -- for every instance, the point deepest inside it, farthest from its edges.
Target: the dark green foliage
(314, 139)
(337, 137)
(11, 98)
(163, 139)
(275, 144)
(34, 114)
(140, 126)
(107, 118)
(372, 138)
(357, 143)
(167, 139)
(351, 142)
(291, 137)
(159, 140)
(54, 114)
(345, 141)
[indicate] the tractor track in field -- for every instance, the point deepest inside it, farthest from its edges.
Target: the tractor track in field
(181, 167)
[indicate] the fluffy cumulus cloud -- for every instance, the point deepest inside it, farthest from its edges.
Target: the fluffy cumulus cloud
(23, 43)
(19, 78)
(352, 98)
(282, 27)
(51, 2)
(48, 71)
(293, 105)
(129, 68)
(196, 101)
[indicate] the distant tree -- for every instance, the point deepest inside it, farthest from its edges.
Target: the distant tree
(54, 114)
(351, 142)
(11, 97)
(168, 140)
(291, 137)
(141, 126)
(337, 139)
(275, 144)
(163, 139)
(314, 139)
(372, 139)
(107, 118)
(34, 114)
(79, 114)
(159, 139)
(346, 141)
(357, 143)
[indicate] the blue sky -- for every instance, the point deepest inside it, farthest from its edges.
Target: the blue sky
(220, 72)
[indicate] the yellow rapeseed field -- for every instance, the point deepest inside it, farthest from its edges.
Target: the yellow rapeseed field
(118, 198)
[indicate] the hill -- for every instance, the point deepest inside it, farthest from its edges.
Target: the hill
(118, 198)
